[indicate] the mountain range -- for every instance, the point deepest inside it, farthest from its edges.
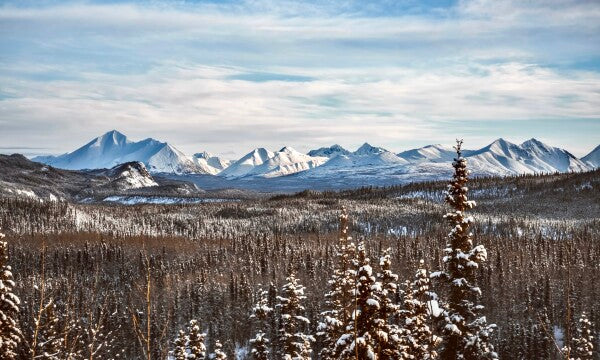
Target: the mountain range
(365, 165)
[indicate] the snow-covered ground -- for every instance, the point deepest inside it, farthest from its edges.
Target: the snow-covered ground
(134, 200)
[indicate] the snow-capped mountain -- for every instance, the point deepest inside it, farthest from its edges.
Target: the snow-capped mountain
(593, 158)
(429, 153)
(329, 152)
(285, 162)
(531, 157)
(248, 162)
(366, 160)
(209, 163)
(131, 175)
(212, 160)
(114, 148)
(368, 165)
(368, 149)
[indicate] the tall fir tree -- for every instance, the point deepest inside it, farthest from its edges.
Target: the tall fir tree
(339, 301)
(293, 342)
(10, 334)
(261, 315)
(466, 334)
(388, 335)
(360, 338)
(417, 316)
(583, 343)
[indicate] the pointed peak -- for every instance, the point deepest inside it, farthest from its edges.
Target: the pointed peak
(114, 134)
(368, 149)
(203, 155)
(534, 142)
(287, 149)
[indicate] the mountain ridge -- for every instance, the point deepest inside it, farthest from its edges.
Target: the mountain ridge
(370, 163)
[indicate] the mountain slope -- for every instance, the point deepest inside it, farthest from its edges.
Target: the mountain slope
(248, 162)
(131, 175)
(531, 157)
(114, 148)
(285, 162)
(209, 163)
(593, 158)
(429, 153)
(329, 152)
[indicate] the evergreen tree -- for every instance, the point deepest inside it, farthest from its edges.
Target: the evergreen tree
(361, 335)
(10, 335)
(388, 334)
(583, 344)
(466, 332)
(195, 341)
(339, 301)
(261, 314)
(293, 342)
(180, 351)
(416, 315)
(219, 354)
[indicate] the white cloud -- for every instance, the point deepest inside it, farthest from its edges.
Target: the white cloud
(169, 72)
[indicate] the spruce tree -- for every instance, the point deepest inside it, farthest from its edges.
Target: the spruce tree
(261, 314)
(339, 301)
(180, 351)
(293, 342)
(466, 334)
(417, 314)
(195, 341)
(388, 334)
(360, 337)
(10, 334)
(219, 354)
(583, 344)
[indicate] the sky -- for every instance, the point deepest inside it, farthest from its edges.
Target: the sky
(229, 76)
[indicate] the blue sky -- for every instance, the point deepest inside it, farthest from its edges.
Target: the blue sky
(227, 76)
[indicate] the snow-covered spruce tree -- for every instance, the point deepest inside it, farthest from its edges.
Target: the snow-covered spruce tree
(261, 314)
(388, 334)
(339, 301)
(180, 349)
(583, 344)
(195, 341)
(10, 334)
(219, 354)
(359, 340)
(293, 342)
(466, 334)
(416, 316)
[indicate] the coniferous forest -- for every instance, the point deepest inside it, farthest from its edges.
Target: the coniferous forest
(484, 268)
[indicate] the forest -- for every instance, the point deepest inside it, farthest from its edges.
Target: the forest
(483, 268)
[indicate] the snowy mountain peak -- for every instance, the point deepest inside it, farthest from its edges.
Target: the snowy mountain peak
(247, 163)
(132, 175)
(113, 148)
(536, 145)
(287, 149)
(433, 153)
(203, 155)
(111, 138)
(330, 152)
(593, 158)
(285, 162)
(368, 149)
